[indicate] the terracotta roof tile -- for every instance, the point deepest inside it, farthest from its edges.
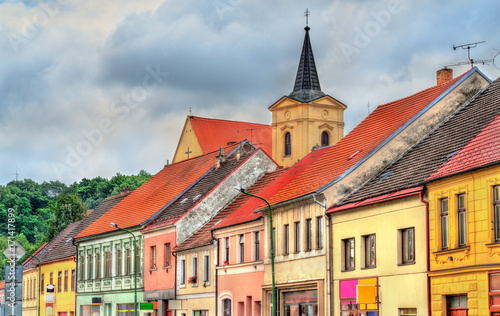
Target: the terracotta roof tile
(213, 133)
(154, 194)
(232, 212)
(383, 122)
(435, 149)
(197, 192)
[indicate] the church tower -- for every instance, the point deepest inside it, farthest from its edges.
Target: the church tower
(306, 117)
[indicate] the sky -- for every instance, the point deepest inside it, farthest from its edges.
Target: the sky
(95, 88)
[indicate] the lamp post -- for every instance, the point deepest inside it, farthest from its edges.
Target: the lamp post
(135, 264)
(272, 244)
(39, 281)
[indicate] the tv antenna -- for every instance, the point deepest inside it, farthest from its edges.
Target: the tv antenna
(472, 61)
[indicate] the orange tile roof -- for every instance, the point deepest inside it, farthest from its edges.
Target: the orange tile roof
(34, 254)
(213, 133)
(482, 150)
(2, 285)
(155, 194)
(364, 139)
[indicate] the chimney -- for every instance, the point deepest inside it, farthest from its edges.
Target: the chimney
(220, 159)
(444, 75)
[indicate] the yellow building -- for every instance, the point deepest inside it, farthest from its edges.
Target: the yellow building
(30, 291)
(464, 222)
(61, 274)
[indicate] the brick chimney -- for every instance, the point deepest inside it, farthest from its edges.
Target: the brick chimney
(444, 75)
(220, 159)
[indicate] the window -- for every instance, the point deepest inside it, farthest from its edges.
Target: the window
(82, 268)
(91, 310)
(297, 236)
(153, 258)
(168, 254)
(183, 271)
(462, 221)
(444, 224)
(308, 234)
(408, 312)
(119, 270)
(138, 260)
(288, 144)
(286, 239)
(370, 254)
(456, 305)
(325, 139)
(496, 205)
(59, 281)
(125, 309)
(206, 268)
(242, 248)
(349, 254)
(408, 245)
(494, 292)
(200, 313)
(43, 283)
(66, 276)
(194, 267)
(128, 263)
(257, 246)
(73, 280)
(227, 307)
(227, 250)
(91, 265)
(98, 265)
(319, 232)
(107, 264)
(51, 278)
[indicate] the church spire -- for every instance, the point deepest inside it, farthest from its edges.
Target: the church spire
(306, 86)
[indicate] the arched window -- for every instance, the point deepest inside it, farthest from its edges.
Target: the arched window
(227, 307)
(325, 139)
(288, 144)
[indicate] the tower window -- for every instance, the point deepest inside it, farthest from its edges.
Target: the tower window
(325, 139)
(288, 144)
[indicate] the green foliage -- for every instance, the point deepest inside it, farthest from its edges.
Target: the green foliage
(43, 210)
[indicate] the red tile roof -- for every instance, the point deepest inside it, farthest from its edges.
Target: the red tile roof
(482, 150)
(154, 194)
(378, 199)
(230, 215)
(377, 127)
(213, 133)
(34, 254)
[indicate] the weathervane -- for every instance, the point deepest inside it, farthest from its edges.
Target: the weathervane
(306, 14)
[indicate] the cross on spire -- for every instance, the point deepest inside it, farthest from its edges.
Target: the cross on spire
(306, 14)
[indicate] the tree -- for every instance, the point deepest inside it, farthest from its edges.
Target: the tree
(67, 209)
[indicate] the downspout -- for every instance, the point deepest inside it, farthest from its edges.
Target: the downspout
(175, 278)
(215, 241)
(427, 249)
(327, 255)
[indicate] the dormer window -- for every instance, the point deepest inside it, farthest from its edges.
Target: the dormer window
(325, 139)
(288, 144)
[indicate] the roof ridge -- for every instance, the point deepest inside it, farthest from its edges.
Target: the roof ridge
(230, 121)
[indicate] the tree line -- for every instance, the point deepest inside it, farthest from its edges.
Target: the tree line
(42, 210)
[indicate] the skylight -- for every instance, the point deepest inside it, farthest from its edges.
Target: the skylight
(197, 197)
(384, 175)
(184, 201)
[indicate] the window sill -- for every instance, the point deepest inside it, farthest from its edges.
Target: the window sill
(368, 268)
(409, 263)
(348, 270)
(167, 267)
(452, 250)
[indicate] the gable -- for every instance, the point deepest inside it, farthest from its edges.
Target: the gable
(188, 142)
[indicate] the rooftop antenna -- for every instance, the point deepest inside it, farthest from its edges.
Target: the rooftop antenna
(190, 112)
(368, 106)
(471, 61)
(17, 175)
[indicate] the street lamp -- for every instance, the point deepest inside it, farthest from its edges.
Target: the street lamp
(272, 244)
(135, 264)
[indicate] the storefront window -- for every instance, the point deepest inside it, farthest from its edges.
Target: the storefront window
(301, 303)
(90, 310)
(125, 309)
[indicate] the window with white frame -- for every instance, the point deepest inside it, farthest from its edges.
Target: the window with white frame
(445, 234)
(182, 271)
(257, 246)
(206, 268)
(496, 210)
(462, 220)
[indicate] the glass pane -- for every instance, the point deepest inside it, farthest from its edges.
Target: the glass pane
(444, 231)
(495, 300)
(463, 300)
(497, 222)
(444, 206)
(461, 201)
(495, 282)
(462, 230)
(497, 193)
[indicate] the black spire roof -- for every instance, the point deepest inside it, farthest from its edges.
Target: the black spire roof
(307, 86)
